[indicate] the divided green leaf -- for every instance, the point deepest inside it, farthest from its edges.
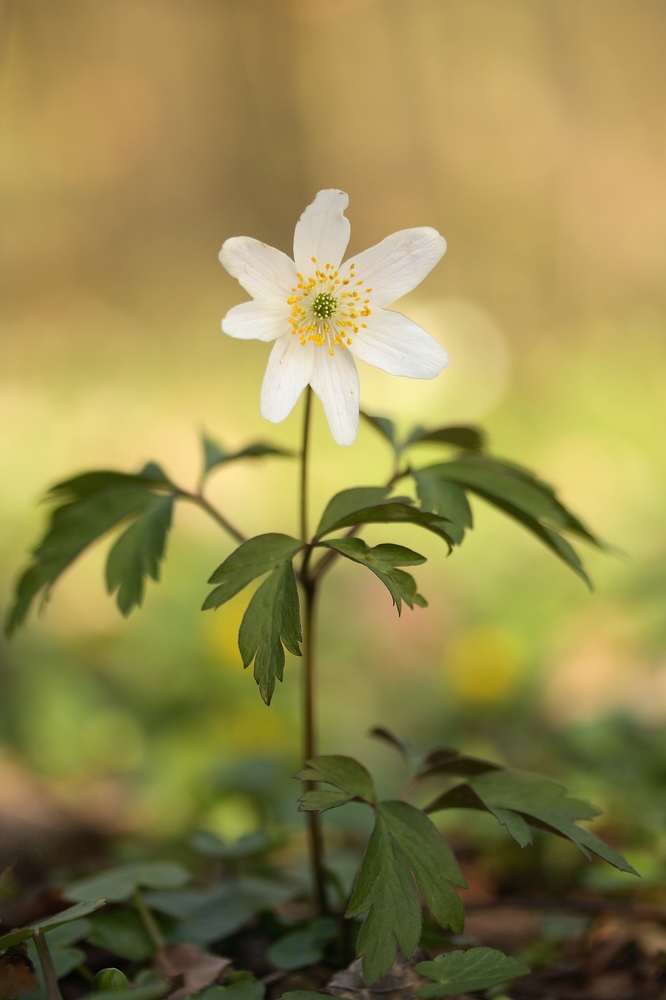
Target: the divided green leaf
(350, 779)
(92, 505)
(383, 561)
(353, 511)
(385, 887)
(520, 801)
(346, 503)
(272, 622)
(465, 971)
(405, 850)
(448, 760)
(447, 499)
(512, 489)
(250, 560)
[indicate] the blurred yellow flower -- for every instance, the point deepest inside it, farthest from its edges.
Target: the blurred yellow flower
(484, 664)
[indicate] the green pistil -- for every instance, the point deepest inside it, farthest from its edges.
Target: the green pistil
(324, 305)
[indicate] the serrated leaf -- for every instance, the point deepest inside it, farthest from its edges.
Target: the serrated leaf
(342, 772)
(465, 971)
(383, 560)
(214, 454)
(460, 436)
(383, 426)
(137, 554)
(513, 797)
(348, 502)
(122, 933)
(271, 623)
(94, 504)
(385, 887)
(301, 948)
(118, 884)
(522, 496)
(253, 558)
(447, 499)
(431, 860)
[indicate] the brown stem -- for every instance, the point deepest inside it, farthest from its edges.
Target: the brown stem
(46, 962)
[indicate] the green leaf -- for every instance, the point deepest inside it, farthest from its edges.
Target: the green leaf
(72, 913)
(251, 559)
(271, 623)
(467, 438)
(214, 454)
(321, 799)
(465, 971)
(94, 504)
(388, 511)
(153, 991)
(385, 427)
(60, 940)
(212, 846)
(18, 936)
(301, 948)
(386, 736)
(431, 859)
(447, 760)
(111, 980)
(243, 989)
(207, 915)
(517, 799)
(382, 561)
(118, 884)
(446, 499)
(347, 502)
(137, 554)
(303, 995)
(522, 496)
(344, 773)
(122, 933)
(385, 887)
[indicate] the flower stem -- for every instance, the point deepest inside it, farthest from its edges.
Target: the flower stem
(148, 921)
(315, 837)
(46, 962)
(307, 415)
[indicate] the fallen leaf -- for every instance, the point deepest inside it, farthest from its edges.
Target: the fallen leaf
(399, 982)
(17, 974)
(189, 968)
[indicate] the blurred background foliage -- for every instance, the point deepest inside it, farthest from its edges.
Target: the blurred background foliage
(137, 135)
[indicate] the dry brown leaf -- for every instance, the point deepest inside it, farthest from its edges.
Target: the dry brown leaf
(189, 968)
(398, 984)
(17, 974)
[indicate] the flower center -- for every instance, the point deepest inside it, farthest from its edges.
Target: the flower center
(328, 309)
(324, 305)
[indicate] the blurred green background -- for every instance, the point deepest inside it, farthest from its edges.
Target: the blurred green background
(137, 135)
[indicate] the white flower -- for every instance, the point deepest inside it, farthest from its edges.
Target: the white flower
(320, 312)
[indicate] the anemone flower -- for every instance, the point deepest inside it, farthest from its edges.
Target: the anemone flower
(321, 313)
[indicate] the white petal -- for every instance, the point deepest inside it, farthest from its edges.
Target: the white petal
(335, 380)
(399, 263)
(263, 271)
(288, 373)
(398, 346)
(257, 320)
(322, 232)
